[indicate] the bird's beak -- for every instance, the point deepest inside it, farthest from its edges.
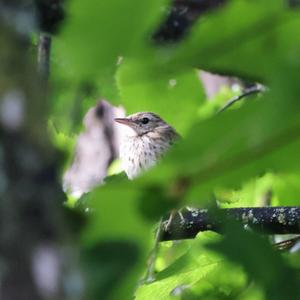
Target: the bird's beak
(124, 121)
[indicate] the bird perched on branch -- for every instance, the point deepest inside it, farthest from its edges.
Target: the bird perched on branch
(148, 137)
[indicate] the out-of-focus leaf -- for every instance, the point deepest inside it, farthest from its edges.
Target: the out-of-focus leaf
(98, 32)
(252, 193)
(263, 264)
(95, 37)
(69, 103)
(197, 272)
(109, 268)
(286, 189)
(281, 188)
(116, 213)
(183, 273)
(116, 238)
(175, 98)
(225, 94)
(248, 38)
(228, 149)
(252, 38)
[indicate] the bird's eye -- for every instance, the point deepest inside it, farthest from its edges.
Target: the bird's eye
(145, 120)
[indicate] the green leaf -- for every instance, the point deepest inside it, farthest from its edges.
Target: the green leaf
(246, 38)
(175, 97)
(116, 238)
(263, 264)
(198, 273)
(184, 272)
(98, 32)
(94, 38)
(115, 213)
(286, 189)
(230, 148)
(110, 269)
(252, 192)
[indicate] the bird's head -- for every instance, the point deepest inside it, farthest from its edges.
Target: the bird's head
(143, 122)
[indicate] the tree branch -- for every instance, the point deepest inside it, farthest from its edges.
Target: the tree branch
(181, 16)
(271, 220)
(34, 238)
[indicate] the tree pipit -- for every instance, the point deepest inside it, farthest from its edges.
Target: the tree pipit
(148, 137)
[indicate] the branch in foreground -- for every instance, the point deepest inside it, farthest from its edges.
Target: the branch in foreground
(271, 220)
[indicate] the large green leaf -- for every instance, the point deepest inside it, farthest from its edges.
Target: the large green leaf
(197, 272)
(247, 38)
(184, 272)
(232, 147)
(98, 32)
(176, 97)
(94, 38)
(252, 38)
(117, 238)
(263, 264)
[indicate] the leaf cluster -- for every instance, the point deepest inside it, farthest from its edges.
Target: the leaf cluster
(105, 49)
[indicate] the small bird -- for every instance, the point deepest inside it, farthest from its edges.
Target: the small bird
(148, 137)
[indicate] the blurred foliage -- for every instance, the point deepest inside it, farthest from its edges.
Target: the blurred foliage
(105, 50)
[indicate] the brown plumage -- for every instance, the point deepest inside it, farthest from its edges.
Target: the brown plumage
(148, 137)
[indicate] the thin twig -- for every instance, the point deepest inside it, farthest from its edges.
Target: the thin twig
(152, 258)
(247, 92)
(44, 47)
(287, 244)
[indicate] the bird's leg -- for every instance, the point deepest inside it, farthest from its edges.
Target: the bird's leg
(181, 215)
(173, 212)
(167, 223)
